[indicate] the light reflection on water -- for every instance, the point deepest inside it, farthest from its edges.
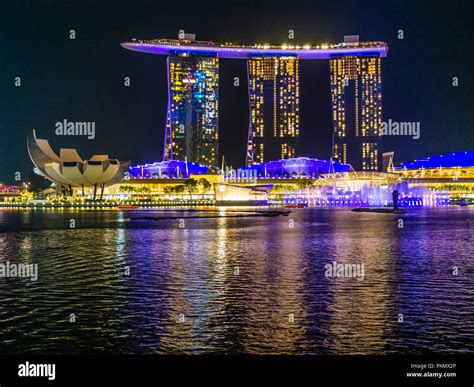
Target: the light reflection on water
(233, 285)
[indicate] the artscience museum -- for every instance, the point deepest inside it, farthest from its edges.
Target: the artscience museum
(69, 170)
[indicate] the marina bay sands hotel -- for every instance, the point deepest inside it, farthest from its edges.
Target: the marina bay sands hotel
(273, 86)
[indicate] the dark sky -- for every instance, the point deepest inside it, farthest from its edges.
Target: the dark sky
(82, 79)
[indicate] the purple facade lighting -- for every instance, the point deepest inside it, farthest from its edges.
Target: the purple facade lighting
(168, 141)
(294, 168)
(249, 159)
(166, 169)
(244, 52)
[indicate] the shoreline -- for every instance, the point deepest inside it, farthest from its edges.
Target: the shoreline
(193, 205)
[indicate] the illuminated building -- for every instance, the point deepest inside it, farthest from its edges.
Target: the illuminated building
(273, 76)
(238, 51)
(300, 167)
(356, 91)
(453, 172)
(454, 161)
(69, 170)
(166, 169)
(9, 193)
(192, 119)
(274, 108)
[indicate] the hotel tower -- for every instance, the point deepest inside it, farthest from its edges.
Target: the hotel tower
(356, 94)
(274, 108)
(273, 88)
(192, 117)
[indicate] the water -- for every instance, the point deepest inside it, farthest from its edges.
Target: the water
(238, 285)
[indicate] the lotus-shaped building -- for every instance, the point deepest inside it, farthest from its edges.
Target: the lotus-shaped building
(69, 170)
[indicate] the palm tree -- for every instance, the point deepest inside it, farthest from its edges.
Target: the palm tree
(302, 184)
(191, 185)
(127, 188)
(204, 183)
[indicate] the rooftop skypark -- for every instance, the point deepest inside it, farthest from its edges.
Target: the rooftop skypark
(241, 51)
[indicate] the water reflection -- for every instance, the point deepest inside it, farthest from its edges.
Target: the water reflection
(233, 285)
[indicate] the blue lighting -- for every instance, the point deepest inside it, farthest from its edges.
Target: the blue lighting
(448, 160)
(166, 169)
(296, 167)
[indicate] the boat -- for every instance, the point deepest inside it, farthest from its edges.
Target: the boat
(379, 210)
(295, 205)
(127, 207)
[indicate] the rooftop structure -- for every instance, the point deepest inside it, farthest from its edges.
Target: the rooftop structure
(447, 160)
(166, 169)
(300, 167)
(9, 190)
(239, 51)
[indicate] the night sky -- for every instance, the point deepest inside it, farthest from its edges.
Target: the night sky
(82, 79)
